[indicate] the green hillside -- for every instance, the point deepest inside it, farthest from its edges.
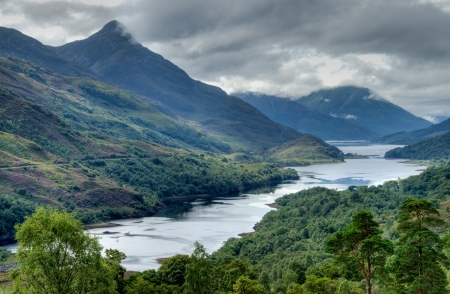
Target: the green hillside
(292, 238)
(44, 161)
(95, 106)
(434, 148)
(120, 61)
(304, 151)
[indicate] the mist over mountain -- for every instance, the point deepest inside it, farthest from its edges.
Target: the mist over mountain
(305, 120)
(113, 54)
(363, 107)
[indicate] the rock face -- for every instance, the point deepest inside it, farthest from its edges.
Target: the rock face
(113, 54)
(305, 120)
(362, 106)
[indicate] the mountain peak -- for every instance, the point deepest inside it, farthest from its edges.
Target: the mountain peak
(115, 27)
(111, 26)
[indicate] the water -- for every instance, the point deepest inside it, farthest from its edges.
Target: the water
(213, 221)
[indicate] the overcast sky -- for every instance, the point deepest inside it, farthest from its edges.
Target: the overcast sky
(399, 49)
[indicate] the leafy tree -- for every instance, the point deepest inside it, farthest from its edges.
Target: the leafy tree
(244, 285)
(361, 243)
(419, 252)
(198, 272)
(57, 256)
(173, 270)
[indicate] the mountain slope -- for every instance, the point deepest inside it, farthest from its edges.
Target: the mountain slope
(361, 106)
(15, 44)
(418, 135)
(95, 106)
(433, 148)
(118, 59)
(305, 120)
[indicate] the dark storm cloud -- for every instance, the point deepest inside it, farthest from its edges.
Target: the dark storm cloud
(335, 27)
(268, 45)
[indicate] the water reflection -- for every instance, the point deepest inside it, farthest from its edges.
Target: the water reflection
(211, 221)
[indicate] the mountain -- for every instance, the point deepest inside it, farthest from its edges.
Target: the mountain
(305, 120)
(90, 105)
(15, 44)
(362, 106)
(434, 148)
(113, 54)
(418, 135)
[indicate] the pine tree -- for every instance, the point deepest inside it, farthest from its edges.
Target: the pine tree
(419, 252)
(361, 243)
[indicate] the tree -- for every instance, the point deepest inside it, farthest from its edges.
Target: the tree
(361, 243)
(198, 279)
(419, 252)
(56, 256)
(173, 270)
(244, 285)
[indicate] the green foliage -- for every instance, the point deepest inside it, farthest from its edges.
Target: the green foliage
(434, 148)
(198, 272)
(173, 270)
(184, 175)
(4, 254)
(244, 285)
(57, 256)
(293, 237)
(361, 243)
(13, 210)
(419, 259)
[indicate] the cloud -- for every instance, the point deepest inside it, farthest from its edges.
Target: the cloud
(398, 48)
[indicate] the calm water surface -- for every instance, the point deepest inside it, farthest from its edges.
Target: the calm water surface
(213, 221)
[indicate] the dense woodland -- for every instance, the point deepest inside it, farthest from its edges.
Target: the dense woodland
(433, 148)
(318, 241)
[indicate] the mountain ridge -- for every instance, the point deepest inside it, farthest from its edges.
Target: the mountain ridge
(209, 109)
(363, 107)
(304, 119)
(416, 136)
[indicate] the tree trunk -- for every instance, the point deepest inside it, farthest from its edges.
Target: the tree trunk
(368, 286)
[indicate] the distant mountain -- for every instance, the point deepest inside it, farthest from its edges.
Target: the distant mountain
(417, 135)
(306, 120)
(114, 55)
(362, 106)
(15, 44)
(433, 148)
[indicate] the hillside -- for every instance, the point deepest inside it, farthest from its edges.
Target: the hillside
(293, 237)
(417, 135)
(434, 148)
(304, 151)
(95, 106)
(363, 107)
(15, 44)
(120, 60)
(305, 120)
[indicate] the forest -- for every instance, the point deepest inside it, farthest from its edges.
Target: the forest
(391, 238)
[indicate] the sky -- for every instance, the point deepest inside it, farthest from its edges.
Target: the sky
(289, 48)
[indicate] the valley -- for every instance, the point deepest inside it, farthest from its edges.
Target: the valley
(245, 187)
